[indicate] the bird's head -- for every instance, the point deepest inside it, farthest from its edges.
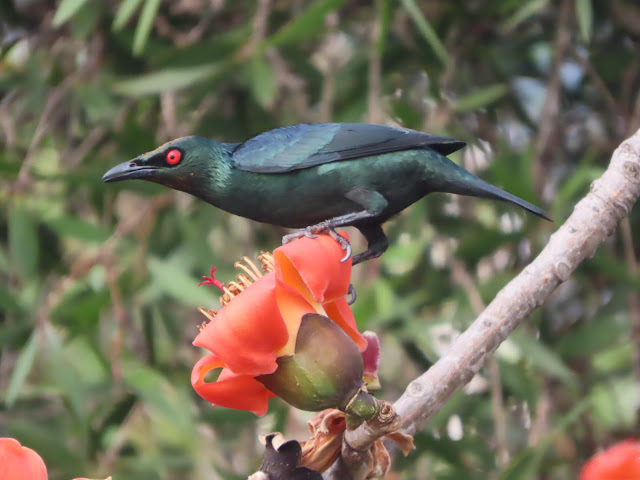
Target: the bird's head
(176, 164)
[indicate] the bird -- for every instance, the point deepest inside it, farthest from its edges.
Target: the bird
(316, 177)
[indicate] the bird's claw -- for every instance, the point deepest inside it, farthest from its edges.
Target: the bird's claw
(344, 243)
(308, 234)
(353, 293)
(321, 228)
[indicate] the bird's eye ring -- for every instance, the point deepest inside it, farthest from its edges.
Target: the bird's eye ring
(173, 156)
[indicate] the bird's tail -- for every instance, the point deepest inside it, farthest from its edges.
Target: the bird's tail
(455, 179)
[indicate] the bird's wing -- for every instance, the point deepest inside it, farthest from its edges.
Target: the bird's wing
(307, 145)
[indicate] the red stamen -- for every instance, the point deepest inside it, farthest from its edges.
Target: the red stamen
(212, 280)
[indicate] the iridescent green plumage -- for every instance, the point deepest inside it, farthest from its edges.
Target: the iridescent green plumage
(336, 174)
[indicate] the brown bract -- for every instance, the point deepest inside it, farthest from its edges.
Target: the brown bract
(326, 444)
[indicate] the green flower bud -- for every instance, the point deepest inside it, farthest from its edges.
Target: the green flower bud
(324, 372)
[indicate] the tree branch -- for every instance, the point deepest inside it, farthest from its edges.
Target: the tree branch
(594, 219)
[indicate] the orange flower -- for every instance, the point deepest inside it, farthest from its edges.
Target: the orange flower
(261, 318)
(21, 463)
(619, 462)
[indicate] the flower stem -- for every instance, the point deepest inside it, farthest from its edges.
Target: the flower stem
(362, 407)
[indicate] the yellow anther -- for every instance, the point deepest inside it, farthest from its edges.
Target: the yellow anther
(250, 268)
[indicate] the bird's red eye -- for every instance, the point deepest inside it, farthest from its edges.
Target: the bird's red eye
(173, 157)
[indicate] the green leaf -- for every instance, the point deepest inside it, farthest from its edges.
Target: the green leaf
(78, 228)
(21, 369)
(527, 463)
(145, 23)
(426, 30)
(62, 373)
(305, 24)
(614, 403)
(524, 13)
(66, 10)
(592, 336)
(125, 12)
(164, 80)
(8, 302)
(543, 358)
(171, 279)
(164, 402)
(23, 242)
(577, 184)
(481, 98)
(263, 82)
(584, 9)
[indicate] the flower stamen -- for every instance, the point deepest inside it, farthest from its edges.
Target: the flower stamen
(210, 314)
(250, 274)
(235, 287)
(266, 258)
(250, 268)
(244, 280)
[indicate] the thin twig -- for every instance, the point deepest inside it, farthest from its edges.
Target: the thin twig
(551, 104)
(634, 298)
(44, 124)
(463, 278)
(605, 93)
(634, 119)
(375, 68)
(83, 265)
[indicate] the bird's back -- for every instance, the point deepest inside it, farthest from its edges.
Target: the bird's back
(307, 145)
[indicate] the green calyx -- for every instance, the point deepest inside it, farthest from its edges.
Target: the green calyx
(325, 371)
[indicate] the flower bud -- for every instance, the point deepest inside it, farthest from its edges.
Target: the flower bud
(324, 372)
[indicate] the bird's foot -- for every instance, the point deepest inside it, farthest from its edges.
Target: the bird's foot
(303, 232)
(321, 228)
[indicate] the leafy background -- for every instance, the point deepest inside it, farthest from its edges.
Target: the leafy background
(99, 297)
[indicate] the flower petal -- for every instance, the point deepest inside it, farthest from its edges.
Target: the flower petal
(20, 463)
(231, 390)
(248, 331)
(340, 312)
(312, 266)
(371, 360)
(619, 462)
(293, 306)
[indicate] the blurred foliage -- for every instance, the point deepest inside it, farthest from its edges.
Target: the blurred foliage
(99, 297)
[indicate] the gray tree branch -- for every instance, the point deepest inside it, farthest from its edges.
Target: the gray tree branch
(594, 219)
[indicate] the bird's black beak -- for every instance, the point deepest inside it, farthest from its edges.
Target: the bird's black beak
(129, 170)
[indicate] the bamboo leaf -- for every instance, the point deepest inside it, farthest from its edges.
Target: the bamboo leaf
(164, 80)
(524, 13)
(66, 10)
(426, 30)
(125, 12)
(23, 242)
(481, 97)
(584, 9)
(304, 25)
(21, 369)
(145, 23)
(263, 82)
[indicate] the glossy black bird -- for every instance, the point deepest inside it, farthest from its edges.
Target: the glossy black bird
(321, 176)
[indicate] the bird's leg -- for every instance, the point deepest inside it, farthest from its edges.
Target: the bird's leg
(377, 243)
(328, 227)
